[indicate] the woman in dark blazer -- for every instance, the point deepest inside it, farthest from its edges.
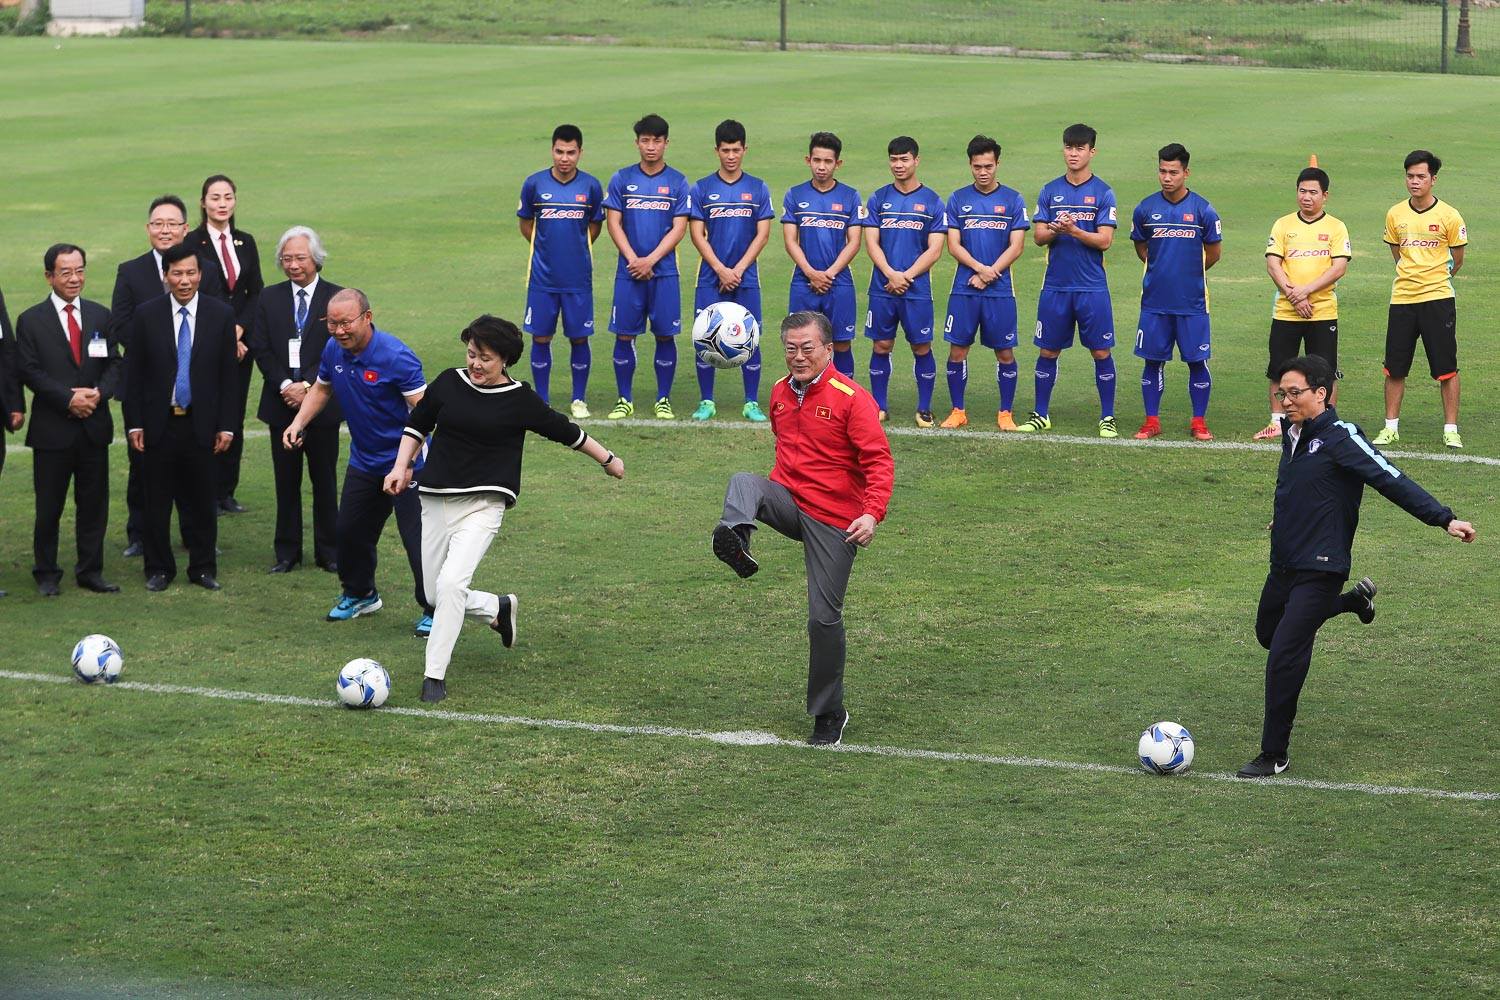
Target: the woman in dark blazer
(231, 273)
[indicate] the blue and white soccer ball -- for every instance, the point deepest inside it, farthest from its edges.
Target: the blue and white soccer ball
(97, 658)
(725, 335)
(1166, 748)
(363, 683)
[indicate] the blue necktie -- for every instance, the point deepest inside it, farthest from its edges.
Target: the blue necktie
(301, 310)
(183, 387)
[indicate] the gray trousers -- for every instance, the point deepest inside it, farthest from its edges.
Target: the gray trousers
(829, 559)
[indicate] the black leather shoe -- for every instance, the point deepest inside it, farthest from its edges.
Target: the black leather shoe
(1264, 765)
(156, 584)
(732, 546)
(207, 582)
(828, 728)
(97, 584)
(134, 550)
(283, 566)
(229, 505)
(329, 567)
(433, 690)
(48, 588)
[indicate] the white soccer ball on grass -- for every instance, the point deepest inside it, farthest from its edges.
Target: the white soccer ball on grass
(97, 658)
(363, 683)
(1166, 748)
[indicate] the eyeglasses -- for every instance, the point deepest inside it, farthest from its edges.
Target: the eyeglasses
(300, 258)
(339, 325)
(1293, 394)
(67, 272)
(161, 224)
(807, 350)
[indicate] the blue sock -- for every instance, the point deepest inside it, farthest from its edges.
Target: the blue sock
(958, 381)
(880, 378)
(541, 368)
(1046, 378)
(843, 361)
(1007, 373)
(925, 368)
(1104, 381)
(624, 366)
(1200, 384)
(705, 378)
(583, 360)
(752, 377)
(666, 365)
(1153, 384)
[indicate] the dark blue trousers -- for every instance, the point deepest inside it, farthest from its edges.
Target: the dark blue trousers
(363, 510)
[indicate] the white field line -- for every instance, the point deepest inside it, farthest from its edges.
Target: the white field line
(1011, 437)
(753, 738)
(1008, 437)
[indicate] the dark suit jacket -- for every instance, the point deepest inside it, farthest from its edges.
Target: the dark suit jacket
(11, 398)
(212, 370)
(248, 283)
(138, 280)
(48, 370)
(274, 329)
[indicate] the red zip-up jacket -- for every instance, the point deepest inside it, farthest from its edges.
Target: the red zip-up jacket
(831, 452)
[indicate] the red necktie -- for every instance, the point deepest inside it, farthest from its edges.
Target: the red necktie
(75, 336)
(229, 274)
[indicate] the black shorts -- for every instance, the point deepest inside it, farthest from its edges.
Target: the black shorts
(1288, 335)
(1433, 324)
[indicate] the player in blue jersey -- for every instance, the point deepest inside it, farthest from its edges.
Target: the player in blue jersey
(1075, 219)
(560, 212)
(730, 224)
(987, 226)
(1177, 236)
(646, 211)
(821, 221)
(904, 231)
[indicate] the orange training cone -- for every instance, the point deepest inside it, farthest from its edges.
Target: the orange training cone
(1312, 161)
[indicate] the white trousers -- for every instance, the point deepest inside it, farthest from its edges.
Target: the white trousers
(456, 533)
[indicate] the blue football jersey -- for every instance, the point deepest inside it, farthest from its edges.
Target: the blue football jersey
(730, 214)
(562, 256)
(823, 220)
(905, 221)
(1175, 236)
(648, 204)
(985, 223)
(1071, 266)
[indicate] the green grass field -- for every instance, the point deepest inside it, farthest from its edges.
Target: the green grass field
(1354, 34)
(1025, 598)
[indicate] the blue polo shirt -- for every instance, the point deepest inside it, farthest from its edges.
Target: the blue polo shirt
(372, 387)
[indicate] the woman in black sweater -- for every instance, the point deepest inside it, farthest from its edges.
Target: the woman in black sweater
(478, 417)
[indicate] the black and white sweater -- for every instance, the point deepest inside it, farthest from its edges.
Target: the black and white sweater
(478, 434)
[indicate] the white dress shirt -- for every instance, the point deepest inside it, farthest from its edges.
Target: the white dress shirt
(311, 289)
(60, 305)
(213, 238)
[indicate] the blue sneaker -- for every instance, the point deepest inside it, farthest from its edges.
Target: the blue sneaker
(423, 628)
(352, 607)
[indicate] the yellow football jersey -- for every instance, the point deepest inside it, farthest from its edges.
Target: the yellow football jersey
(1427, 241)
(1307, 249)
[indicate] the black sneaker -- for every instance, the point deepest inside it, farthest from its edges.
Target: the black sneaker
(505, 621)
(1264, 766)
(733, 548)
(1363, 598)
(433, 689)
(828, 728)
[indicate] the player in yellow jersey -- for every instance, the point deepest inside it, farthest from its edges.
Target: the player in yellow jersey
(1427, 239)
(1306, 255)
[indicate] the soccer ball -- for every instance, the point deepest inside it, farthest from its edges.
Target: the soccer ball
(725, 335)
(363, 684)
(97, 658)
(1166, 748)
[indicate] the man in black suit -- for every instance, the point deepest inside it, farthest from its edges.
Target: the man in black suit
(287, 342)
(68, 362)
(179, 411)
(139, 280)
(12, 403)
(230, 262)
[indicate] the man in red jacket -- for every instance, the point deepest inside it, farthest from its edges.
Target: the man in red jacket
(828, 490)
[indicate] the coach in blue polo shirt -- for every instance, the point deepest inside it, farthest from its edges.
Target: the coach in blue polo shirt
(377, 380)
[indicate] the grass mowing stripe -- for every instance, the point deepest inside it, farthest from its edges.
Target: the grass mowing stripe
(751, 739)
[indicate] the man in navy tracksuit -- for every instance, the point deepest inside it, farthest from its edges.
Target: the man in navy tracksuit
(1325, 464)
